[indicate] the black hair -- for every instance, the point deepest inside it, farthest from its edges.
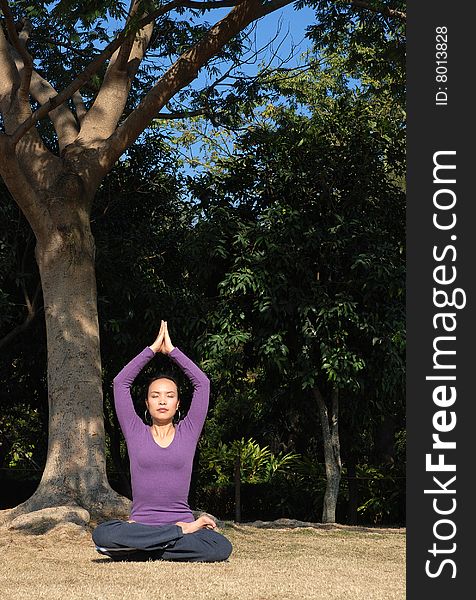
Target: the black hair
(162, 376)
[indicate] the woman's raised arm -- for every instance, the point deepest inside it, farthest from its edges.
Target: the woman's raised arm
(201, 385)
(128, 418)
(201, 392)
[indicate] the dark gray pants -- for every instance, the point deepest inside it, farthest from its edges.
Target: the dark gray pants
(121, 540)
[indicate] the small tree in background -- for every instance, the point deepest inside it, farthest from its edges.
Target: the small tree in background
(310, 264)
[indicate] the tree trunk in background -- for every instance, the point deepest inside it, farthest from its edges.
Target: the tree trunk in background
(238, 487)
(330, 435)
(385, 441)
(352, 513)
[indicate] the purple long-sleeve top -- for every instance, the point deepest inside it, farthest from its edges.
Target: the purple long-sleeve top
(160, 477)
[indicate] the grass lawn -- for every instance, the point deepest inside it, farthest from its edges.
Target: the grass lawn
(266, 564)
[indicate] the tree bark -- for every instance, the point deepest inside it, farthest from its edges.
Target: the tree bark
(330, 434)
(75, 471)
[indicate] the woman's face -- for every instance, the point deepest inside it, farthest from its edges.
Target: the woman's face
(162, 399)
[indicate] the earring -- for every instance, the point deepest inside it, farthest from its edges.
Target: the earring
(179, 415)
(146, 415)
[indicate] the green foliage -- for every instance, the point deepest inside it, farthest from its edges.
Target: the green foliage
(20, 437)
(371, 43)
(384, 491)
(311, 262)
(257, 463)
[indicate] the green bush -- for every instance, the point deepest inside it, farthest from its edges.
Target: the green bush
(257, 464)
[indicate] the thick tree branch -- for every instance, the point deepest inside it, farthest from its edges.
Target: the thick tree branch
(10, 79)
(62, 118)
(88, 72)
(19, 42)
(79, 105)
(122, 57)
(182, 72)
(27, 62)
(102, 118)
(19, 172)
(35, 159)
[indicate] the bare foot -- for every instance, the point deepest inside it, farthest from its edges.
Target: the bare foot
(202, 522)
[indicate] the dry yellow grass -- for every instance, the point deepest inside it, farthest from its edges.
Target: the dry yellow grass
(266, 564)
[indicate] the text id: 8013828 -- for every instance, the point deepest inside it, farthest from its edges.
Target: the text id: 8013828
(441, 65)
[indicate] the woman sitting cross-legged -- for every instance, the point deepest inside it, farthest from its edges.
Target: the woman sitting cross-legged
(161, 523)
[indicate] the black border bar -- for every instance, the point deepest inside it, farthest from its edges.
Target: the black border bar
(441, 263)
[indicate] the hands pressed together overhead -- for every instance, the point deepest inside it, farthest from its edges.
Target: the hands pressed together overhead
(162, 342)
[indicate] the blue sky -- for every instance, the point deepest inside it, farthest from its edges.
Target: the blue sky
(290, 23)
(285, 28)
(295, 20)
(288, 19)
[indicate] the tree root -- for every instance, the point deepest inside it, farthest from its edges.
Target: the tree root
(48, 508)
(42, 521)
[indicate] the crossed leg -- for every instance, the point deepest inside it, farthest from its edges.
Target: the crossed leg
(122, 540)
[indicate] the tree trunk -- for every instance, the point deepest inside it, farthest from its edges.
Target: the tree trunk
(385, 441)
(330, 434)
(237, 478)
(352, 513)
(75, 471)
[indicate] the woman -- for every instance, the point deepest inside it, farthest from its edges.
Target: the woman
(161, 523)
